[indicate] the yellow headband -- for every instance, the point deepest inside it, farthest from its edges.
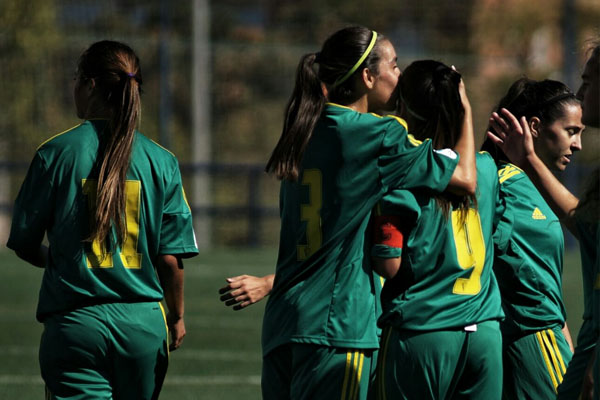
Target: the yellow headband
(341, 80)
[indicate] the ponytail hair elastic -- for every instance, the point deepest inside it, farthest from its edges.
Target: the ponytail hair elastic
(348, 74)
(131, 75)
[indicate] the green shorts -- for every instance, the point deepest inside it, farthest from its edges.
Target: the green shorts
(301, 371)
(451, 364)
(535, 364)
(108, 351)
(570, 388)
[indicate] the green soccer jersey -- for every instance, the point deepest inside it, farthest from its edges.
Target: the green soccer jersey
(445, 280)
(57, 198)
(528, 257)
(324, 289)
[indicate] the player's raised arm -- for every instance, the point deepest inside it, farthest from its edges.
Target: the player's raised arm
(514, 137)
(464, 179)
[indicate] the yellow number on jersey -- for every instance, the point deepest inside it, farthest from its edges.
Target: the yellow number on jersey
(311, 213)
(470, 251)
(129, 255)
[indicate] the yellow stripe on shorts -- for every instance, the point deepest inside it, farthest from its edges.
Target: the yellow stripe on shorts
(162, 309)
(385, 340)
(552, 356)
(352, 375)
(563, 367)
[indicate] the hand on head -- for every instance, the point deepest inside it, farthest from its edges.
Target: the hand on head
(512, 136)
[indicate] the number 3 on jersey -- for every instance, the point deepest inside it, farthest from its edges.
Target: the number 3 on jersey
(470, 251)
(129, 255)
(311, 213)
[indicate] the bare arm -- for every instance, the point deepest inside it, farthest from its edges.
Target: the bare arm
(36, 258)
(170, 273)
(386, 267)
(515, 140)
(567, 335)
(245, 290)
(464, 178)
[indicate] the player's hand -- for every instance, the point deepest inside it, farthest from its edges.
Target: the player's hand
(245, 290)
(462, 91)
(512, 136)
(177, 331)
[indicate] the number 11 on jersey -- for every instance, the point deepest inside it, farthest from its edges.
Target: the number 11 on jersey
(128, 253)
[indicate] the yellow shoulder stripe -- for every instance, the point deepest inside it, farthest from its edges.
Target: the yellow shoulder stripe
(162, 147)
(401, 121)
(508, 172)
(337, 105)
(57, 135)
(415, 142)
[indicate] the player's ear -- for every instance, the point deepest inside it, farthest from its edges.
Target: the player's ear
(324, 90)
(534, 126)
(92, 83)
(368, 78)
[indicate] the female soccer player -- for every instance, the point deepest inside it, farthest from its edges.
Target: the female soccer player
(529, 244)
(112, 205)
(580, 216)
(441, 304)
(336, 161)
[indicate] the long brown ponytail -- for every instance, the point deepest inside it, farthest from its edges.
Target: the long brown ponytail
(339, 54)
(118, 78)
(302, 112)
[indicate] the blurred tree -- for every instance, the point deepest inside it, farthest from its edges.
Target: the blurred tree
(30, 93)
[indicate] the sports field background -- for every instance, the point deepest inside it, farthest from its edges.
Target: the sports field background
(220, 358)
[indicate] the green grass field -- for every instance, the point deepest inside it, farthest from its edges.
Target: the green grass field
(220, 358)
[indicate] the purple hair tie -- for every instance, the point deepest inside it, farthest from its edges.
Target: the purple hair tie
(130, 74)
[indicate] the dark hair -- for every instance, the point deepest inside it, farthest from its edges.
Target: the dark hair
(594, 52)
(431, 101)
(588, 208)
(117, 76)
(529, 98)
(339, 54)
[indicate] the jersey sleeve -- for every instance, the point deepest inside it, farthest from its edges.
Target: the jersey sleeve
(393, 218)
(32, 211)
(504, 221)
(407, 163)
(177, 232)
